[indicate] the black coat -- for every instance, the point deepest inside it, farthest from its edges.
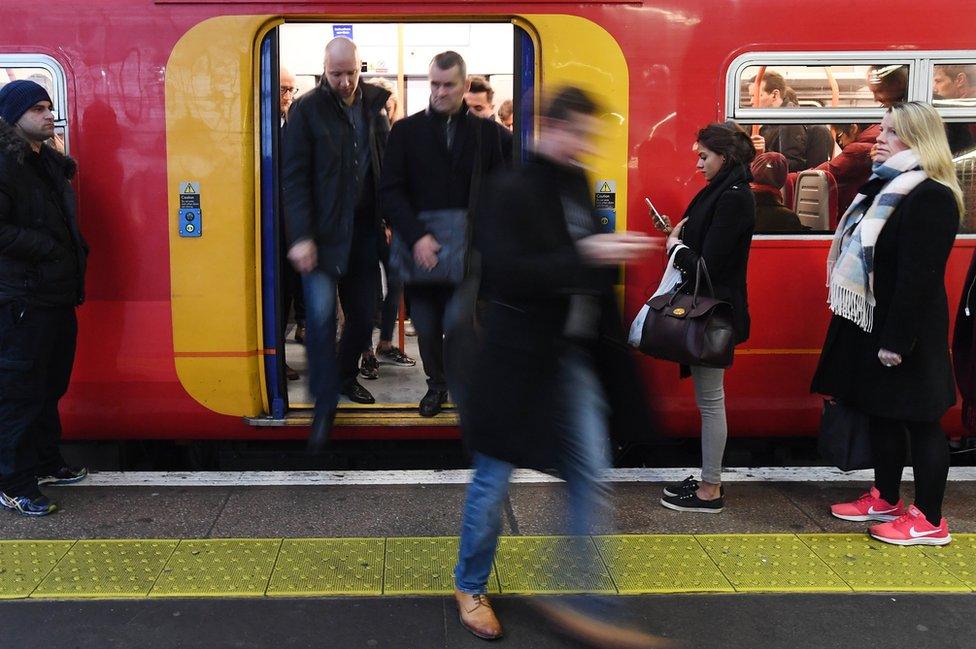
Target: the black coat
(964, 348)
(530, 267)
(721, 220)
(319, 180)
(805, 146)
(421, 174)
(911, 318)
(773, 216)
(43, 256)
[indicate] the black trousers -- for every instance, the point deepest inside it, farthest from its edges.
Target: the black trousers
(37, 350)
(434, 313)
(930, 460)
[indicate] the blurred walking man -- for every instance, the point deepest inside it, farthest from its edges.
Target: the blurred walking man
(553, 346)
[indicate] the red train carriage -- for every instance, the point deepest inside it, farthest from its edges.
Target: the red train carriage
(170, 108)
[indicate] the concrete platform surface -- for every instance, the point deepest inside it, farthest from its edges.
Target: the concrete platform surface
(702, 622)
(434, 510)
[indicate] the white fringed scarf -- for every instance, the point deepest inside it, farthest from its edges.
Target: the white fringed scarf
(850, 262)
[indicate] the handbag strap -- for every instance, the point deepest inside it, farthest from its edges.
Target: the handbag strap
(699, 270)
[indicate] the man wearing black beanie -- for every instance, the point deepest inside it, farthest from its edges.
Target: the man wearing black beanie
(42, 270)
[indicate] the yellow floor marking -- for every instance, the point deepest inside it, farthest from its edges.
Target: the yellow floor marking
(870, 565)
(328, 567)
(423, 566)
(660, 564)
(551, 564)
(218, 567)
(24, 564)
(959, 558)
(109, 569)
(625, 564)
(770, 563)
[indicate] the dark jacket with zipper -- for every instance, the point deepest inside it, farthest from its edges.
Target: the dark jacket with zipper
(320, 185)
(911, 317)
(721, 220)
(530, 270)
(43, 256)
(420, 173)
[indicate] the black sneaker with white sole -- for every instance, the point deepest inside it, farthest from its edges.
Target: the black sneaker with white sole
(678, 488)
(690, 502)
(689, 484)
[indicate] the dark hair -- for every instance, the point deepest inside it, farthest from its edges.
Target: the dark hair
(888, 83)
(450, 59)
(734, 144)
(479, 84)
(953, 71)
(506, 109)
(774, 81)
(846, 128)
(733, 125)
(569, 100)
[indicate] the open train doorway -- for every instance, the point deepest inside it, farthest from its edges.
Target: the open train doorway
(396, 56)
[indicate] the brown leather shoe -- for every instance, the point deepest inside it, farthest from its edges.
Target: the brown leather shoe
(477, 616)
(292, 374)
(596, 632)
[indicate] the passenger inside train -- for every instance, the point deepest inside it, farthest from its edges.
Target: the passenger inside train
(830, 160)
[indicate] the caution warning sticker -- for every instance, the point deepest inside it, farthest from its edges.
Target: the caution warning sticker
(606, 195)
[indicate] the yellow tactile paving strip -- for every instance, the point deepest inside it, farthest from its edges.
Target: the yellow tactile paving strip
(624, 564)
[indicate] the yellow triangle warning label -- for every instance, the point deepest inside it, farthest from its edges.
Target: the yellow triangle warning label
(605, 188)
(189, 189)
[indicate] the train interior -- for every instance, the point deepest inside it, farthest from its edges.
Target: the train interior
(397, 57)
(811, 190)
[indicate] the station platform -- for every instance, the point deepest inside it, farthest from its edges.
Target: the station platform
(347, 559)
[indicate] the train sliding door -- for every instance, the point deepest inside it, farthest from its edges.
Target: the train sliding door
(395, 56)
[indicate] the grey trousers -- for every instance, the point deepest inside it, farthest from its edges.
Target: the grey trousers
(710, 399)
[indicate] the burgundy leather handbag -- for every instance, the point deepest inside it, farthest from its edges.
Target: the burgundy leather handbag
(689, 328)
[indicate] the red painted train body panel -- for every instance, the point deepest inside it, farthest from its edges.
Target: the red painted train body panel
(114, 54)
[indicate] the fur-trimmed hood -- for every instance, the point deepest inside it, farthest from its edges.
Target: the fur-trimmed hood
(12, 145)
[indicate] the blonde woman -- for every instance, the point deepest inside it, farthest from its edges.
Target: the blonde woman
(887, 348)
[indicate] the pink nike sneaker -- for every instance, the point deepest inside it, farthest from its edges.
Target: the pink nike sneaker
(912, 529)
(869, 507)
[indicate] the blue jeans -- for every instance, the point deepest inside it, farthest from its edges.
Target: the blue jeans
(581, 416)
(328, 367)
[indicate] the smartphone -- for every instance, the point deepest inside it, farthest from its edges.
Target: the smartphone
(658, 219)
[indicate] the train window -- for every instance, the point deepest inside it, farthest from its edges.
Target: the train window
(953, 85)
(45, 71)
(823, 86)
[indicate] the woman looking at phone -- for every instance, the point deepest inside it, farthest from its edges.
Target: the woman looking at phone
(717, 228)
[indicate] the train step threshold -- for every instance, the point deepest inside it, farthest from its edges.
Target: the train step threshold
(397, 414)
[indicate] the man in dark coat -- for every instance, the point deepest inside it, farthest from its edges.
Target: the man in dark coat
(431, 165)
(804, 145)
(42, 270)
(552, 338)
(333, 152)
